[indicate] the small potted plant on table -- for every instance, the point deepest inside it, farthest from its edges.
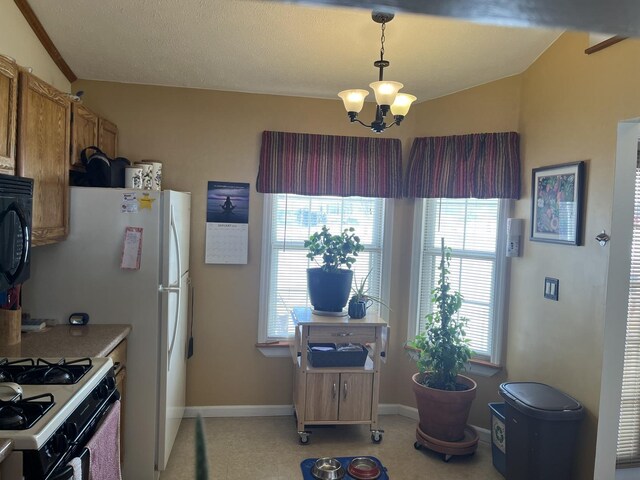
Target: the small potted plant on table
(329, 285)
(361, 300)
(443, 395)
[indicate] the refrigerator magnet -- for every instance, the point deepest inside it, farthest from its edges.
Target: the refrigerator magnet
(146, 201)
(131, 249)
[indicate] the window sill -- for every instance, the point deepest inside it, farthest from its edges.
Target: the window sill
(274, 349)
(481, 368)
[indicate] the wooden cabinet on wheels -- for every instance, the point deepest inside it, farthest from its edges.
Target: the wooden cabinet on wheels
(337, 395)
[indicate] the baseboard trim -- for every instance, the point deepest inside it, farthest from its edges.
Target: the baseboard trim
(284, 410)
(239, 411)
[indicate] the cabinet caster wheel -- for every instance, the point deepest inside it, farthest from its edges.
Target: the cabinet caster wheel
(417, 446)
(304, 438)
(376, 437)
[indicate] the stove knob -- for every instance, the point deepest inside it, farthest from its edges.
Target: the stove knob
(103, 391)
(71, 429)
(111, 383)
(59, 443)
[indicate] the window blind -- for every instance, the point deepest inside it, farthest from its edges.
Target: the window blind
(470, 228)
(293, 219)
(628, 448)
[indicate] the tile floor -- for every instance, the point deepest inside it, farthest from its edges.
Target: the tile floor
(267, 448)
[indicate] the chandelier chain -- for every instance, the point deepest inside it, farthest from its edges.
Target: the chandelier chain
(382, 39)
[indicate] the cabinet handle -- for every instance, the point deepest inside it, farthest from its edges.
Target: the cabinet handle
(345, 390)
(334, 391)
(344, 334)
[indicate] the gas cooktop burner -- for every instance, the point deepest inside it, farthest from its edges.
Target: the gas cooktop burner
(28, 372)
(22, 413)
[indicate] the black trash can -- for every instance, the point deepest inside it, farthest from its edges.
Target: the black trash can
(541, 431)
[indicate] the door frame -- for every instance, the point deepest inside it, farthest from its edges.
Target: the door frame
(615, 321)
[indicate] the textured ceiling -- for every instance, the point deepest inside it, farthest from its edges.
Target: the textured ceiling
(279, 48)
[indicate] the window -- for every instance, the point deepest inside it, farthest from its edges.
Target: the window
(288, 222)
(628, 447)
(473, 229)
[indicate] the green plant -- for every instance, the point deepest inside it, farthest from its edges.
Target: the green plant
(442, 349)
(360, 292)
(335, 250)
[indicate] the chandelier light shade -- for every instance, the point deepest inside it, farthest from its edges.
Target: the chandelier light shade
(386, 92)
(353, 99)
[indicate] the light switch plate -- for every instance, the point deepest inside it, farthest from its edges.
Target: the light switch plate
(551, 286)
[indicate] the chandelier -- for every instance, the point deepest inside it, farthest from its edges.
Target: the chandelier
(386, 91)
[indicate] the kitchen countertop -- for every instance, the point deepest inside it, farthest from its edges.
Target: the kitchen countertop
(68, 341)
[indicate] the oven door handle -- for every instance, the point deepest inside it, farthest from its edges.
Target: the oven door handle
(65, 474)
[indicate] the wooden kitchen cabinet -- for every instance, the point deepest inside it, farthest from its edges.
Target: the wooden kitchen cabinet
(84, 133)
(337, 395)
(108, 137)
(8, 114)
(89, 129)
(44, 125)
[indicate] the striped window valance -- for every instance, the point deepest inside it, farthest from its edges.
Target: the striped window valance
(307, 164)
(481, 165)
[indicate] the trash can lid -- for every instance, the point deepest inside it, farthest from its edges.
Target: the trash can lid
(538, 398)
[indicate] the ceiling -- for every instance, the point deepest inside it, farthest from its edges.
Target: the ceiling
(279, 48)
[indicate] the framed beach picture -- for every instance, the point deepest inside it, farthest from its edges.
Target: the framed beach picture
(557, 203)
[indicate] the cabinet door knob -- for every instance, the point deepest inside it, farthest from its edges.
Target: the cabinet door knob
(344, 334)
(334, 391)
(345, 390)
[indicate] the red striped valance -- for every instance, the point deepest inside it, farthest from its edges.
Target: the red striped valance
(307, 164)
(480, 165)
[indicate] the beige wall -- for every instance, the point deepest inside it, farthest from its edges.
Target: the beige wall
(492, 107)
(566, 107)
(202, 135)
(571, 105)
(18, 41)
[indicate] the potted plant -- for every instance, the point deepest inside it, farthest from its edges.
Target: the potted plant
(329, 285)
(443, 395)
(361, 300)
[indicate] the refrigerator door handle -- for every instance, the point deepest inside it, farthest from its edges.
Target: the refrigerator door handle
(175, 288)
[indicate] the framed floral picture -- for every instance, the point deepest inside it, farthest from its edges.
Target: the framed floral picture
(557, 204)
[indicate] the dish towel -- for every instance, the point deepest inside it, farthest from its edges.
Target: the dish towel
(104, 447)
(76, 464)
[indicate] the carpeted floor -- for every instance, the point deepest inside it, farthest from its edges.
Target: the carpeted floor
(268, 448)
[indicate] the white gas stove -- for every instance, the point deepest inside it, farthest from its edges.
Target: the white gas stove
(50, 408)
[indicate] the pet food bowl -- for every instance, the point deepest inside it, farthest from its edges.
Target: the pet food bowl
(327, 468)
(364, 468)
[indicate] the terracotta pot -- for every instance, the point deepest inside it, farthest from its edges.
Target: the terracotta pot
(443, 413)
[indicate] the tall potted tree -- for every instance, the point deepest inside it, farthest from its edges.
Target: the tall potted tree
(329, 285)
(443, 395)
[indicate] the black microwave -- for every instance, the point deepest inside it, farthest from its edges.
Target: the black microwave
(16, 200)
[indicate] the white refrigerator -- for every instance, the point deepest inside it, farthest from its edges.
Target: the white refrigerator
(84, 274)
